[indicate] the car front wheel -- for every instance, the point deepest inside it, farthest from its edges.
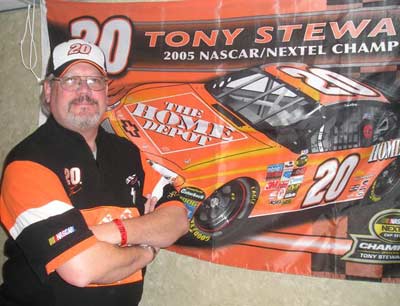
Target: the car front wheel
(217, 220)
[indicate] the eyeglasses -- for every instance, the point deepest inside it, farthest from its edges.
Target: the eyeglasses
(73, 83)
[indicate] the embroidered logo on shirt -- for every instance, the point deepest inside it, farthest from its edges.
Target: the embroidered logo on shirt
(133, 182)
(57, 237)
(107, 218)
(125, 214)
(73, 177)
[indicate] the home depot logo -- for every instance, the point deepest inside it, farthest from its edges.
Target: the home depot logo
(179, 118)
(385, 150)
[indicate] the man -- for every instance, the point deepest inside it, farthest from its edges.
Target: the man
(72, 199)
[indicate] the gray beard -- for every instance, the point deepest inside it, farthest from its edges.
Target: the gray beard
(84, 121)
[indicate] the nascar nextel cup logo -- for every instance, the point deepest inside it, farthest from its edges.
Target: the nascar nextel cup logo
(383, 245)
(385, 150)
(386, 226)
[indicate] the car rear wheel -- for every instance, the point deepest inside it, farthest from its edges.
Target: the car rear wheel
(383, 194)
(217, 220)
(386, 183)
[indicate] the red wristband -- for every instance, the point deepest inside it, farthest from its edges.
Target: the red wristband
(122, 231)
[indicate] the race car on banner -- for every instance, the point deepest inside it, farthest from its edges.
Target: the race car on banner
(263, 142)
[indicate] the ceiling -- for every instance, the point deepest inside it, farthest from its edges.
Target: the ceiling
(9, 5)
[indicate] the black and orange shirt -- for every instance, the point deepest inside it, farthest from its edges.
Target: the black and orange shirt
(53, 188)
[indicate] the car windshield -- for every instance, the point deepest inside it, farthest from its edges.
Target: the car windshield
(298, 122)
(259, 98)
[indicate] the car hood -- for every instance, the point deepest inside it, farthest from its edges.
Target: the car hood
(184, 124)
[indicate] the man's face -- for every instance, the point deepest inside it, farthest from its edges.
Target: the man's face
(79, 110)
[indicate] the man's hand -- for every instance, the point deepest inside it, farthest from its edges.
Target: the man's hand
(150, 204)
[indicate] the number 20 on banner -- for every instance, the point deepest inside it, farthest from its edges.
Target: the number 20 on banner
(107, 36)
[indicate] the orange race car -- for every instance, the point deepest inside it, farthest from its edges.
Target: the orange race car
(261, 142)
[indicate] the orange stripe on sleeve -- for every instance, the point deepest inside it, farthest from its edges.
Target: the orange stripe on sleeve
(136, 277)
(73, 251)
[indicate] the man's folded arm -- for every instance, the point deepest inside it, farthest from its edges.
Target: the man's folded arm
(159, 228)
(103, 263)
(54, 235)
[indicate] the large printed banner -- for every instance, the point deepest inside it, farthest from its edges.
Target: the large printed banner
(278, 122)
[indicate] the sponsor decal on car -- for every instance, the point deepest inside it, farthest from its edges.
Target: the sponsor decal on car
(301, 161)
(184, 118)
(291, 191)
(385, 150)
(191, 196)
(274, 171)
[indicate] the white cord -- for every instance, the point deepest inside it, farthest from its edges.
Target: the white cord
(30, 30)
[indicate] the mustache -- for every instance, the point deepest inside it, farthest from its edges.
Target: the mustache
(84, 99)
